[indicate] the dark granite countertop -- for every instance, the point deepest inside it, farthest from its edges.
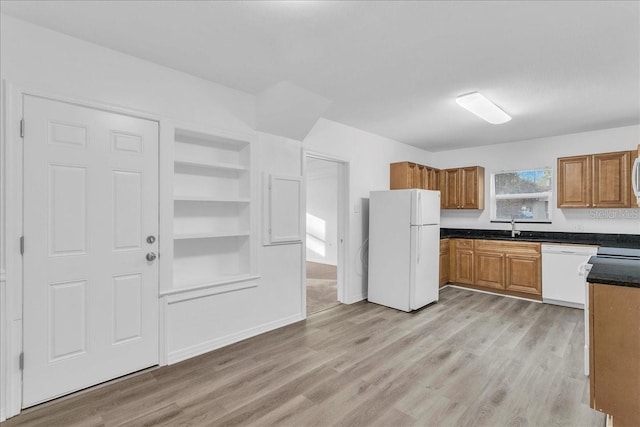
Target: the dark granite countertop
(598, 239)
(615, 271)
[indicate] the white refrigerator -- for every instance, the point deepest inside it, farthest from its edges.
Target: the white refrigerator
(404, 248)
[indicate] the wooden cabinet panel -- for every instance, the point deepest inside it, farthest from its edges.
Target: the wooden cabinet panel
(406, 175)
(489, 269)
(574, 182)
(523, 273)
(633, 201)
(614, 348)
(472, 188)
(505, 267)
(463, 272)
(596, 180)
(450, 191)
(401, 175)
(444, 262)
(464, 243)
(611, 180)
(462, 188)
(525, 248)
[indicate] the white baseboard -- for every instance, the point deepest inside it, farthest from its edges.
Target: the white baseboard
(351, 299)
(563, 303)
(210, 345)
(491, 293)
(2, 417)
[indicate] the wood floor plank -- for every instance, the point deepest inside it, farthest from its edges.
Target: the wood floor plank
(471, 359)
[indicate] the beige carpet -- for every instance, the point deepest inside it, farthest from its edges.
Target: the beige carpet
(321, 287)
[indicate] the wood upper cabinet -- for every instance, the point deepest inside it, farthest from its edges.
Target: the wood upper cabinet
(612, 180)
(472, 187)
(634, 156)
(406, 175)
(450, 193)
(574, 182)
(614, 336)
(462, 188)
(444, 262)
(596, 180)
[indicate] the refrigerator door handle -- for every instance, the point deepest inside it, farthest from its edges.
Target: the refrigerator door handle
(419, 248)
(419, 208)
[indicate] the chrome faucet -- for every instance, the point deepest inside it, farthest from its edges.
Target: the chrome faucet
(514, 232)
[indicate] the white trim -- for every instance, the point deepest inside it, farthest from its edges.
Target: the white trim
(352, 299)
(343, 225)
(210, 345)
(563, 303)
(11, 342)
(492, 293)
(12, 165)
(180, 295)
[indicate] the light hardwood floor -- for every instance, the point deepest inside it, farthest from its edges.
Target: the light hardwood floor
(470, 360)
(321, 285)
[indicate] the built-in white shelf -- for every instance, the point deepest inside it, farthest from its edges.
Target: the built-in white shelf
(211, 235)
(213, 241)
(212, 165)
(211, 199)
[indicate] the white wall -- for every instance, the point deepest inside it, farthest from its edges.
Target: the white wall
(539, 153)
(38, 59)
(369, 157)
(322, 211)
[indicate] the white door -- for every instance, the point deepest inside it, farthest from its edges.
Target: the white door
(90, 202)
(425, 265)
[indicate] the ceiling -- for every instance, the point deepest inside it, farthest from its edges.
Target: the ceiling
(392, 68)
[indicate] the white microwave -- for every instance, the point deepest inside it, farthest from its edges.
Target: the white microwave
(635, 179)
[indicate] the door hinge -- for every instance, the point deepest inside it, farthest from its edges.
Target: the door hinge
(21, 361)
(21, 245)
(21, 128)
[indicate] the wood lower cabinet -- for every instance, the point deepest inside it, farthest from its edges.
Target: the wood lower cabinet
(406, 175)
(511, 268)
(489, 269)
(523, 273)
(614, 352)
(444, 262)
(463, 270)
(462, 261)
(596, 180)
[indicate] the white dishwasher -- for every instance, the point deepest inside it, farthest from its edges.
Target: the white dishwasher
(563, 269)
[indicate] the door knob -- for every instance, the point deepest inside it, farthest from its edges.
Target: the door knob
(151, 256)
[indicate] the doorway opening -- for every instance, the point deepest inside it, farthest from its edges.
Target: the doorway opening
(326, 192)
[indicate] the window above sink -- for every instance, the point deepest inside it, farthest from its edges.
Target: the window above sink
(522, 195)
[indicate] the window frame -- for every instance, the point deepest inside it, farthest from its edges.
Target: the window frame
(493, 198)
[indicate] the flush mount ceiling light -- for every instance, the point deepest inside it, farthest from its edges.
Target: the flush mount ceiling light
(483, 108)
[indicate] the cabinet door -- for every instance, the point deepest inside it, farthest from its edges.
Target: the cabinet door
(611, 180)
(489, 269)
(574, 182)
(614, 347)
(463, 272)
(451, 195)
(523, 273)
(444, 262)
(472, 188)
(401, 176)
